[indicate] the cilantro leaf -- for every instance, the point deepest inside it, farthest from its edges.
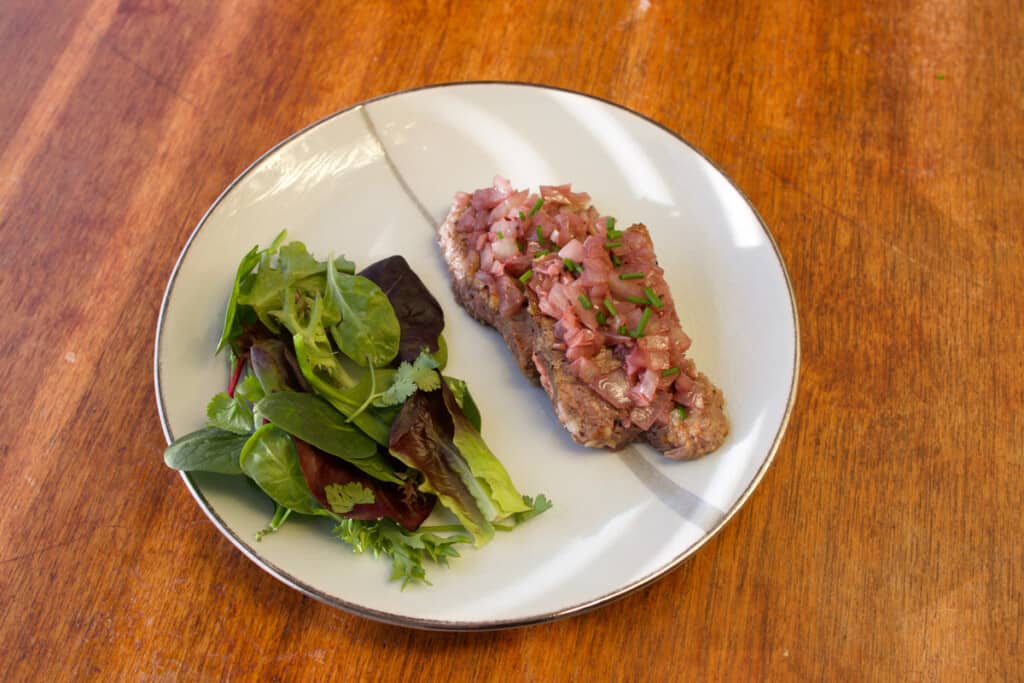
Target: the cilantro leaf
(343, 497)
(229, 414)
(537, 506)
(249, 389)
(408, 378)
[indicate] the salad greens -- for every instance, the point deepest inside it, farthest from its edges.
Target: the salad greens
(337, 408)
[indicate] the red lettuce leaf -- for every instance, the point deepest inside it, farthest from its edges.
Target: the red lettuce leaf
(420, 317)
(405, 505)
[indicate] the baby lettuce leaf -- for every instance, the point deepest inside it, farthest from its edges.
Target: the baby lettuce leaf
(206, 450)
(486, 468)
(303, 316)
(294, 268)
(465, 400)
(276, 367)
(229, 414)
(311, 419)
(322, 472)
(232, 327)
(420, 317)
(368, 332)
(269, 459)
(422, 437)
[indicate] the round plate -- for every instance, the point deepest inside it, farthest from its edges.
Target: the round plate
(376, 179)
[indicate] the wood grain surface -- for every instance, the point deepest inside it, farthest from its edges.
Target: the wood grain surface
(883, 143)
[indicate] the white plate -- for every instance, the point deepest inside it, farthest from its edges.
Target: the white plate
(375, 180)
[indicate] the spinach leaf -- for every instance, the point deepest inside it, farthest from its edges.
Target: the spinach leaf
(311, 419)
(270, 460)
(206, 450)
(420, 317)
(229, 414)
(368, 332)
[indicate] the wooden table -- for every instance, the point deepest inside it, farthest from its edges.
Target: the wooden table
(883, 145)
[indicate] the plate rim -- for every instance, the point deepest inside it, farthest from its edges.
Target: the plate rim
(494, 624)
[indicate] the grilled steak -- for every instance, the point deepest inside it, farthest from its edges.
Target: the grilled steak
(586, 311)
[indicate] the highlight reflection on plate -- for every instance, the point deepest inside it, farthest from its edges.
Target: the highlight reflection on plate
(375, 180)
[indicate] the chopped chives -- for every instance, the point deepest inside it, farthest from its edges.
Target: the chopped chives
(622, 330)
(639, 331)
(613, 234)
(653, 298)
(681, 411)
(585, 301)
(613, 245)
(525, 277)
(638, 300)
(610, 305)
(541, 253)
(540, 235)
(522, 217)
(571, 265)
(501, 235)
(601, 318)
(536, 207)
(609, 223)
(670, 372)
(631, 276)
(616, 261)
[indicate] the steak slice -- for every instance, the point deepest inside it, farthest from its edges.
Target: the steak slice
(591, 393)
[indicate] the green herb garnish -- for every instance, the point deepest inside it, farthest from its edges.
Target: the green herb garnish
(639, 301)
(616, 261)
(525, 277)
(540, 254)
(536, 207)
(653, 298)
(610, 306)
(631, 276)
(671, 371)
(572, 265)
(601, 318)
(640, 326)
(585, 301)
(681, 412)
(501, 235)
(615, 244)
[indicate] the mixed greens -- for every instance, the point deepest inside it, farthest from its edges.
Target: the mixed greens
(337, 407)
